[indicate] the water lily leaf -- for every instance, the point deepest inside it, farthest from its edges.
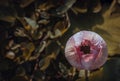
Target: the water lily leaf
(109, 30)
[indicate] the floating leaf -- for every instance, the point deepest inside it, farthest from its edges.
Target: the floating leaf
(110, 28)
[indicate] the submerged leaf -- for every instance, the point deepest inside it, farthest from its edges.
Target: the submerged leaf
(45, 62)
(19, 78)
(64, 8)
(25, 3)
(10, 55)
(63, 68)
(32, 23)
(27, 48)
(20, 32)
(7, 14)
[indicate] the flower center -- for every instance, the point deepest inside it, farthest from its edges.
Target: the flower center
(85, 49)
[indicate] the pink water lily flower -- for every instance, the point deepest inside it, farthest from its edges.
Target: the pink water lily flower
(86, 50)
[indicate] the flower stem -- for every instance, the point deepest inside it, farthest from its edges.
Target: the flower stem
(86, 75)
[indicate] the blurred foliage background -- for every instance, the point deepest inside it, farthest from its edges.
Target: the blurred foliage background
(33, 34)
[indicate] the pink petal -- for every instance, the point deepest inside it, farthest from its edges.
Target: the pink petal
(86, 50)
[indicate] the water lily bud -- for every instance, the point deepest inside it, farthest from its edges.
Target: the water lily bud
(86, 50)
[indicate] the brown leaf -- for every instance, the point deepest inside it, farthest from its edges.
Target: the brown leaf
(25, 3)
(8, 19)
(60, 27)
(44, 63)
(45, 6)
(109, 30)
(27, 48)
(7, 14)
(38, 51)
